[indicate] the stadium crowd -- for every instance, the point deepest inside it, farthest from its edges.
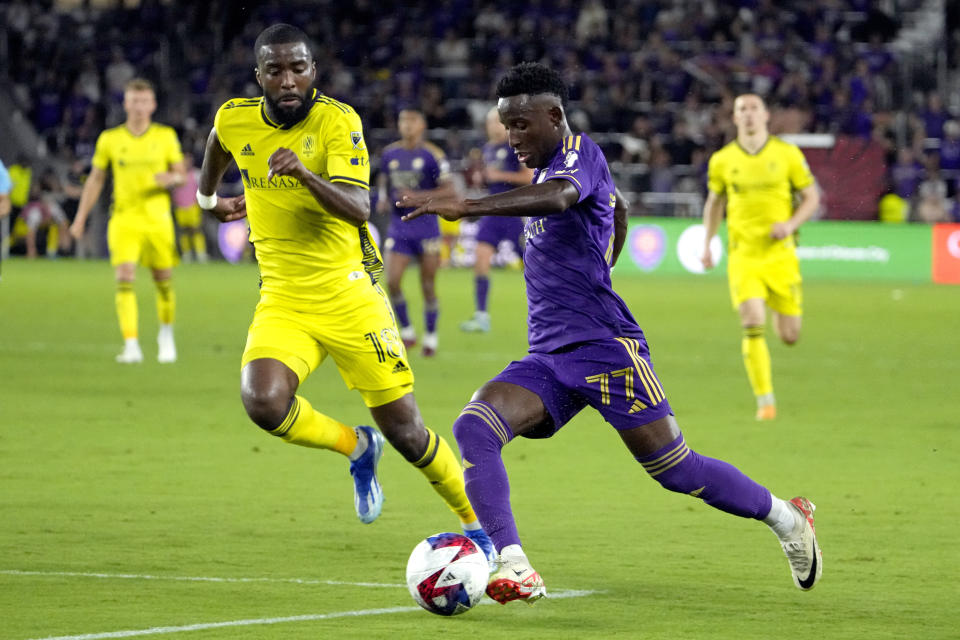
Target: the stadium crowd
(652, 81)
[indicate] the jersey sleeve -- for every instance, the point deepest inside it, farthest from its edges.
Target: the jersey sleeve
(441, 170)
(220, 126)
(347, 159)
(6, 185)
(715, 181)
(101, 153)
(800, 175)
(575, 163)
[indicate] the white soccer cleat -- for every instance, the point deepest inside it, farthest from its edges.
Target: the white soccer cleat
(802, 550)
(430, 342)
(131, 353)
(166, 348)
(515, 579)
(409, 336)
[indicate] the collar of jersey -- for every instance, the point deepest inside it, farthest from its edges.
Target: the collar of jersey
(263, 112)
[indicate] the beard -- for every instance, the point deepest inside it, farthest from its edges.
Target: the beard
(286, 115)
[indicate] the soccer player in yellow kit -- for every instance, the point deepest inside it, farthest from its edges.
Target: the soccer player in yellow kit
(306, 175)
(146, 162)
(756, 177)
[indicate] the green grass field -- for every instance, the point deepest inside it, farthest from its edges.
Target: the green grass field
(139, 500)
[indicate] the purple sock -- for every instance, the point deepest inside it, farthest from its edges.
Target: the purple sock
(482, 289)
(400, 308)
(430, 314)
(718, 483)
(481, 433)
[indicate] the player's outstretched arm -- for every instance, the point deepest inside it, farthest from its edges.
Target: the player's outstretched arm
(546, 198)
(348, 202)
(215, 163)
(88, 197)
(620, 212)
(712, 215)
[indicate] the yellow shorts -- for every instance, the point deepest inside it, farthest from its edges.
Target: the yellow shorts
(775, 280)
(148, 243)
(449, 227)
(358, 330)
(188, 217)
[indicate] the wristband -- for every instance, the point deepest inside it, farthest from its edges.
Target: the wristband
(206, 202)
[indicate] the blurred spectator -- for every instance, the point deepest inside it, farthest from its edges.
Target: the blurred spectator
(950, 155)
(906, 174)
(934, 116)
(932, 203)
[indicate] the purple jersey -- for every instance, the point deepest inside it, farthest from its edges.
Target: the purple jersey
(500, 157)
(567, 257)
(416, 169)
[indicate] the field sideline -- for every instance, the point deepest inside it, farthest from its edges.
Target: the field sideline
(140, 501)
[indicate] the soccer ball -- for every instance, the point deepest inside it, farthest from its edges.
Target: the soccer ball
(447, 574)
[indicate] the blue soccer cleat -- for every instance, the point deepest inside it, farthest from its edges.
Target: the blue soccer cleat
(482, 540)
(367, 496)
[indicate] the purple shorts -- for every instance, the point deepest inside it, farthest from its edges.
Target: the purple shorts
(414, 245)
(495, 229)
(613, 375)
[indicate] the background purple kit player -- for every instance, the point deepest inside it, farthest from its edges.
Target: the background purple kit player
(495, 229)
(571, 301)
(413, 169)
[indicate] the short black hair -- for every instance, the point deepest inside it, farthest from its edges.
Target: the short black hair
(532, 78)
(280, 33)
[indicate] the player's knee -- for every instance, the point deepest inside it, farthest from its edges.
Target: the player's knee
(790, 335)
(409, 439)
(266, 407)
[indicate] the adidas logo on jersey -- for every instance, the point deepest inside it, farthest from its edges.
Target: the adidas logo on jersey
(400, 367)
(246, 151)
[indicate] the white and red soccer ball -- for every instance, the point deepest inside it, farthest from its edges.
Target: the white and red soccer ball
(447, 574)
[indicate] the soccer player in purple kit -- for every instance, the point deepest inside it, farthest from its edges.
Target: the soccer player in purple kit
(413, 166)
(585, 346)
(502, 172)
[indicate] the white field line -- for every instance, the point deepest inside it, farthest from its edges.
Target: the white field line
(555, 595)
(137, 576)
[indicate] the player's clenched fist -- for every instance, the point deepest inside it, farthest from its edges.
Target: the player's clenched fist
(285, 162)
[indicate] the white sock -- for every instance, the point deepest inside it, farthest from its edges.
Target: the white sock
(783, 518)
(166, 331)
(472, 526)
(766, 399)
(131, 344)
(362, 442)
(514, 552)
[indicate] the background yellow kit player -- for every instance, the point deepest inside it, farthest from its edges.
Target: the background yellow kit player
(306, 173)
(756, 178)
(146, 162)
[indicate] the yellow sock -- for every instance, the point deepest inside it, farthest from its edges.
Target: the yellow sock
(443, 471)
(185, 244)
(756, 359)
(166, 301)
(126, 301)
(199, 243)
(307, 427)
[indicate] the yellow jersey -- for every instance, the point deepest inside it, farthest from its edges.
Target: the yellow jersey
(305, 253)
(759, 188)
(135, 161)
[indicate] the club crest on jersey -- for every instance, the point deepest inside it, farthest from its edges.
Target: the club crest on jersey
(357, 138)
(570, 159)
(308, 146)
